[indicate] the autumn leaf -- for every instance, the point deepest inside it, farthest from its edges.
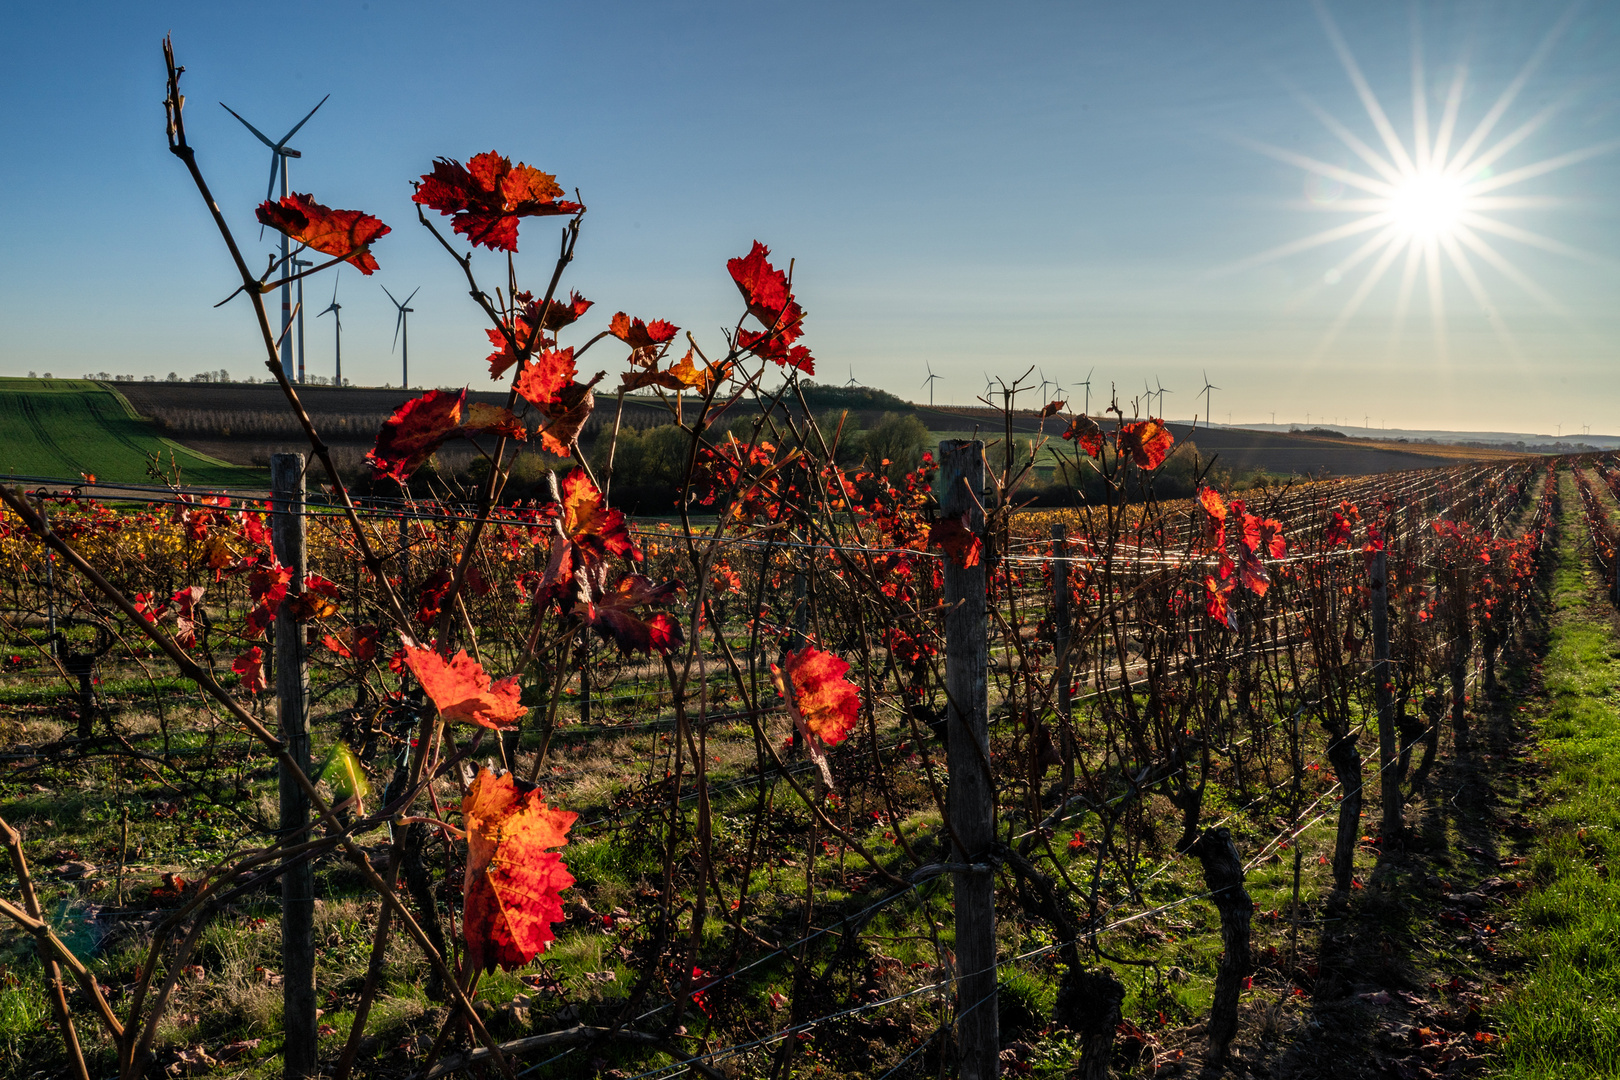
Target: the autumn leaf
(513, 883)
(1213, 504)
(488, 195)
(684, 374)
(354, 643)
(1253, 574)
(953, 535)
(566, 417)
(545, 376)
(558, 315)
(345, 233)
(431, 595)
(823, 699)
(185, 619)
(1146, 441)
(317, 601)
(766, 292)
(1217, 596)
(415, 430)
(1052, 408)
(642, 336)
(1085, 433)
(613, 615)
(250, 665)
(462, 691)
(592, 526)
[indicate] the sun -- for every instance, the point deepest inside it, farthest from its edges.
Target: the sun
(1430, 203)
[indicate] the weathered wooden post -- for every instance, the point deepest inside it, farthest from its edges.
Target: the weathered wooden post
(970, 799)
(292, 700)
(1383, 694)
(1060, 642)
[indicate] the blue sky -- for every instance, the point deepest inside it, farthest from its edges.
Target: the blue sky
(981, 188)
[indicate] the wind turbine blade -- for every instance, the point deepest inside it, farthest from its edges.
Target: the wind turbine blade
(397, 324)
(413, 293)
(335, 285)
(270, 188)
(261, 135)
(300, 123)
(390, 295)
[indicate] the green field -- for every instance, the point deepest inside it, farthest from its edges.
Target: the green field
(60, 428)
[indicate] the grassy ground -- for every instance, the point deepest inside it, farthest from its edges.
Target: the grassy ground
(1563, 1019)
(64, 427)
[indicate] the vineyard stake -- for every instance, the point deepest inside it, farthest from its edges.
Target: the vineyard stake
(970, 799)
(1390, 779)
(292, 701)
(1060, 616)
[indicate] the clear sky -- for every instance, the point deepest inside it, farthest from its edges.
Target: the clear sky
(979, 187)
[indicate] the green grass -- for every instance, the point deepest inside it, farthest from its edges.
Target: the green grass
(1563, 1020)
(63, 427)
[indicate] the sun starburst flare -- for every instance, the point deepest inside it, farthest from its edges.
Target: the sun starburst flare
(1433, 199)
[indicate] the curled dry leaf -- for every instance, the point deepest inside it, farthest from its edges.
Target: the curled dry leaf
(513, 883)
(345, 233)
(613, 615)
(462, 691)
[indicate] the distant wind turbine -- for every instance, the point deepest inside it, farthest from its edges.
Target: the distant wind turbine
(298, 265)
(1209, 417)
(279, 153)
(1045, 382)
(335, 310)
(402, 325)
(1161, 392)
(852, 380)
(928, 382)
(1087, 385)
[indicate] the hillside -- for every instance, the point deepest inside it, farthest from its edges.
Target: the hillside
(60, 428)
(1244, 450)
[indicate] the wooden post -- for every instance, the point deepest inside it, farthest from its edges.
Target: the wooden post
(1060, 642)
(1383, 694)
(292, 699)
(970, 799)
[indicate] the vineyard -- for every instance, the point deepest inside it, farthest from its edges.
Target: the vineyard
(847, 771)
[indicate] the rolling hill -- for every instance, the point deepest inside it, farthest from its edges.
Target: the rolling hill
(60, 428)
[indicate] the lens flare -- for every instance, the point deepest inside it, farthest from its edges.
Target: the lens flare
(1431, 203)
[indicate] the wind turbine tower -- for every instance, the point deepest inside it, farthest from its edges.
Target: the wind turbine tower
(298, 266)
(279, 153)
(335, 309)
(929, 382)
(1209, 417)
(402, 326)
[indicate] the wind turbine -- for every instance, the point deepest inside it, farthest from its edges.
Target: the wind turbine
(1045, 382)
(300, 264)
(852, 379)
(1087, 385)
(928, 382)
(279, 153)
(335, 309)
(1161, 392)
(1209, 417)
(402, 324)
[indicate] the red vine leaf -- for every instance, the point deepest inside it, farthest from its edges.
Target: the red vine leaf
(414, 432)
(513, 883)
(952, 534)
(1146, 441)
(488, 195)
(250, 665)
(544, 378)
(346, 233)
(462, 691)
